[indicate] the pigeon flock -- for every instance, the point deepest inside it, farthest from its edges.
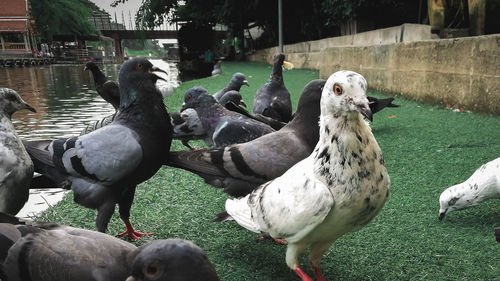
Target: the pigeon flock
(303, 179)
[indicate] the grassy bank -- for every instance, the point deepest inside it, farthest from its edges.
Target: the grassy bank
(427, 148)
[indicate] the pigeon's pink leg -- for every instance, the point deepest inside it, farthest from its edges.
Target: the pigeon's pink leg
(302, 274)
(131, 232)
(317, 272)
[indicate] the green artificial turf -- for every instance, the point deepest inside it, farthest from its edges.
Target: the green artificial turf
(426, 148)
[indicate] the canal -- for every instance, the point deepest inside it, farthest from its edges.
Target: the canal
(66, 101)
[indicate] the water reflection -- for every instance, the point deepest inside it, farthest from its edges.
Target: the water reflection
(66, 101)
(64, 97)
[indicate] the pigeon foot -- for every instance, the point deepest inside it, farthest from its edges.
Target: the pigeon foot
(132, 233)
(317, 272)
(276, 240)
(302, 274)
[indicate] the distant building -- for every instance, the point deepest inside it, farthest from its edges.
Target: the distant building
(17, 27)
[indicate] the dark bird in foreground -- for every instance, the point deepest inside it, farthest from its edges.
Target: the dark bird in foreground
(107, 89)
(239, 168)
(53, 252)
(104, 167)
(273, 99)
(338, 189)
(238, 80)
(16, 167)
(222, 126)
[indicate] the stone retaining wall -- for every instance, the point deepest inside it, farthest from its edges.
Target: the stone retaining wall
(463, 72)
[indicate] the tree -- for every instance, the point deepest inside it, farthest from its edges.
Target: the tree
(63, 17)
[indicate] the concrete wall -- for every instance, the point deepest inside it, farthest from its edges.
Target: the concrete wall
(462, 72)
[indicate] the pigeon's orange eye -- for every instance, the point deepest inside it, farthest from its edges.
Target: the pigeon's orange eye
(139, 66)
(337, 89)
(188, 97)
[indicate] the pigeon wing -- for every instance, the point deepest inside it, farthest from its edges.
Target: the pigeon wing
(105, 155)
(288, 207)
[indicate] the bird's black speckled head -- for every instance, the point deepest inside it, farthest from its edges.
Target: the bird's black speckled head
(10, 102)
(137, 77)
(171, 259)
(197, 97)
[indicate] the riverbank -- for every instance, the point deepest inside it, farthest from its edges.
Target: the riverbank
(426, 148)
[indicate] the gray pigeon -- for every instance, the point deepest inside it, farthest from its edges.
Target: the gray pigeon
(16, 168)
(187, 125)
(104, 167)
(273, 99)
(107, 89)
(222, 126)
(338, 189)
(235, 83)
(482, 185)
(239, 168)
(217, 69)
(52, 252)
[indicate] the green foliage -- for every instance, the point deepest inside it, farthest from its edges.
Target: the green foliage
(426, 148)
(63, 17)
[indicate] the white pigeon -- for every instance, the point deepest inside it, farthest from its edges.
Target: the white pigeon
(338, 189)
(16, 167)
(482, 185)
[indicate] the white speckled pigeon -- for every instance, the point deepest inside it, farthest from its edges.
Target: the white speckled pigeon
(16, 168)
(107, 89)
(239, 168)
(482, 185)
(338, 189)
(273, 99)
(104, 167)
(224, 127)
(235, 84)
(53, 252)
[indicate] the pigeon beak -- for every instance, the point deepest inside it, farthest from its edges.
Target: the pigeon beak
(156, 69)
(183, 107)
(441, 216)
(243, 103)
(85, 68)
(287, 65)
(28, 107)
(245, 82)
(365, 110)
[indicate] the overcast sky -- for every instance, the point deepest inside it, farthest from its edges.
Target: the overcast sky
(130, 5)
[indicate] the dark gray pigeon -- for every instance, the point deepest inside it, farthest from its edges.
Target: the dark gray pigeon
(53, 252)
(217, 69)
(273, 99)
(107, 89)
(104, 167)
(239, 168)
(187, 125)
(16, 168)
(224, 127)
(235, 83)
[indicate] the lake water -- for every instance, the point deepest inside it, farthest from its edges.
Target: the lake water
(66, 101)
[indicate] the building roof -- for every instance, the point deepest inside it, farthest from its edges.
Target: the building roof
(15, 16)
